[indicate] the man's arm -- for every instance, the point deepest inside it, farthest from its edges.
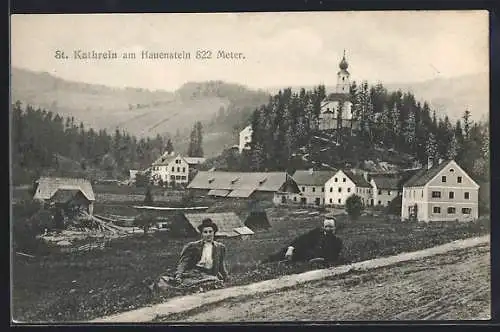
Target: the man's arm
(304, 244)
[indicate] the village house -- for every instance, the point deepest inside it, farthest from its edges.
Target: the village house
(245, 138)
(69, 192)
(385, 188)
(337, 106)
(271, 186)
(312, 186)
(172, 168)
(440, 192)
(344, 184)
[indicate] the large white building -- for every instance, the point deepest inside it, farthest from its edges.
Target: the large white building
(312, 186)
(344, 184)
(170, 168)
(440, 192)
(245, 138)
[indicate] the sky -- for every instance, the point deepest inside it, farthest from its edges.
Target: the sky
(280, 49)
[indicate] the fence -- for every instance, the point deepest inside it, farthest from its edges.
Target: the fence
(99, 245)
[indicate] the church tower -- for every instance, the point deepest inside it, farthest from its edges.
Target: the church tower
(343, 82)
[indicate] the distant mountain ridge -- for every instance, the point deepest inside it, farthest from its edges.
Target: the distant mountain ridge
(140, 112)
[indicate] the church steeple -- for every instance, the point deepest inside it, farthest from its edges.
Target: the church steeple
(343, 83)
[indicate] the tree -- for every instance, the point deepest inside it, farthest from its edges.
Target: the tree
(148, 197)
(467, 124)
(431, 148)
(452, 150)
(195, 148)
(170, 147)
(354, 206)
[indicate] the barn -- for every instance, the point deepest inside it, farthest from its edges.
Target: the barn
(67, 192)
(229, 224)
(270, 186)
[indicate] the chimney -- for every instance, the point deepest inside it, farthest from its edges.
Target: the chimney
(365, 175)
(429, 162)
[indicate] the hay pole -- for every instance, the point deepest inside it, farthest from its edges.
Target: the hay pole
(26, 255)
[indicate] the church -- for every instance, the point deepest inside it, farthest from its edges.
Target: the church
(336, 108)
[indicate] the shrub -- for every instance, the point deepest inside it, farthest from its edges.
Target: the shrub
(148, 197)
(354, 206)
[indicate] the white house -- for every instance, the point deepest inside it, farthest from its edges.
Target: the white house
(440, 192)
(344, 184)
(170, 168)
(245, 138)
(312, 186)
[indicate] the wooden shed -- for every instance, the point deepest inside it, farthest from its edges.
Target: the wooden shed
(229, 224)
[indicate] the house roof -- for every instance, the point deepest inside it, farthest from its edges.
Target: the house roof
(194, 160)
(64, 195)
(336, 96)
(425, 175)
(164, 160)
(388, 182)
(314, 178)
(358, 179)
(271, 181)
(226, 222)
(47, 187)
(244, 230)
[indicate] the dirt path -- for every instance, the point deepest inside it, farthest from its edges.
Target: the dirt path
(453, 286)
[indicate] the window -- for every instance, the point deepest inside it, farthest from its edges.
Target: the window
(422, 193)
(177, 177)
(336, 180)
(184, 170)
(340, 190)
(466, 210)
(178, 169)
(459, 179)
(173, 169)
(436, 209)
(313, 189)
(452, 170)
(303, 189)
(322, 190)
(348, 190)
(379, 202)
(331, 189)
(380, 192)
(295, 198)
(451, 210)
(451, 195)
(343, 180)
(466, 195)
(331, 200)
(443, 178)
(436, 194)
(339, 200)
(172, 177)
(388, 192)
(183, 177)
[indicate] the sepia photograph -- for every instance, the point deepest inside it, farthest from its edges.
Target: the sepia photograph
(250, 167)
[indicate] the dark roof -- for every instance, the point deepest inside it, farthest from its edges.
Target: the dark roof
(47, 187)
(64, 195)
(336, 96)
(358, 179)
(227, 222)
(388, 182)
(425, 175)
(164, 160)
(314, 178)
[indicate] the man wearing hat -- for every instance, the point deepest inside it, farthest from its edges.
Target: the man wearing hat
(202, 260)
(320, 245)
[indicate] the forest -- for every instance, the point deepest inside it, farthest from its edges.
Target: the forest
(387, 120)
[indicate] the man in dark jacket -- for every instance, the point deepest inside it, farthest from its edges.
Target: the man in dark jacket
(320, 245)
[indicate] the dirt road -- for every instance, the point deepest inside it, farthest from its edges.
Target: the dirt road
(451, 286)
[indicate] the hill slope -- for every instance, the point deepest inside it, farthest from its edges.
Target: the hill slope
(138, 111)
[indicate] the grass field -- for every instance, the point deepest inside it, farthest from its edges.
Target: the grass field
(69, 287)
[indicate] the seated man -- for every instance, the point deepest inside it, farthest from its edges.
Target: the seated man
(202, 261)
(320, 245)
